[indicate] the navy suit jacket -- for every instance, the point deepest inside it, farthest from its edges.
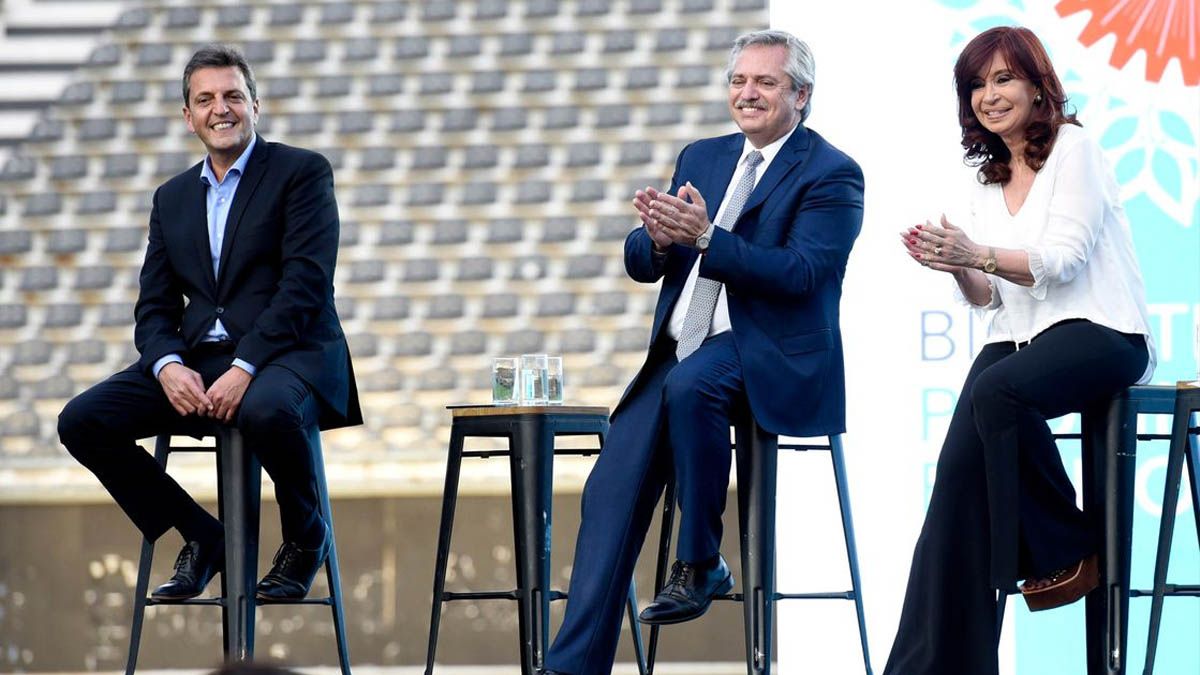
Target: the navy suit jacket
(782, 266)
(274, 291)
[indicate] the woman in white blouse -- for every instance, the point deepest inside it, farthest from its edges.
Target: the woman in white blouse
(1051, 258)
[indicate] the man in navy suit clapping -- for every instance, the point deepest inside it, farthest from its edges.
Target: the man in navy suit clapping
(750, 242)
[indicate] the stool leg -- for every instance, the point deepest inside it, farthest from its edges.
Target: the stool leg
(843, 490)
(531, 466)
(449, 501)
(240, 487)
(332, 573)
(639, 652)
(757, 460)
(1166, 526)
(1001, 601)
(1193, 466)
(1109, 458)
(162, 448)
(635, 627)
(660, 570)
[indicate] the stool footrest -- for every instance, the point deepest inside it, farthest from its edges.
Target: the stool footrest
(189, 601)
(298, 601)
(558, 452)
(1177, 590)
(832, 595)
(494, 595)
(449, 596)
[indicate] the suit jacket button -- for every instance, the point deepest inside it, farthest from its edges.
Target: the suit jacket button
(220, 310)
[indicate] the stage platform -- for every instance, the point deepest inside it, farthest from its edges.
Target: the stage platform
(620, 669)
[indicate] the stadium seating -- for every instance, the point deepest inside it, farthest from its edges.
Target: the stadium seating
(485, 154)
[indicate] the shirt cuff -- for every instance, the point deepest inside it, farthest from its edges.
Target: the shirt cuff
(162, 363)
(245, 366)
(1037, 268)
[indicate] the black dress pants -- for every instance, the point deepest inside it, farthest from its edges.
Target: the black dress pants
(100, 426)
(1002, 507)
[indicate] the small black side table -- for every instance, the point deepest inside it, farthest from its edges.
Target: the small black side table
(530, 431)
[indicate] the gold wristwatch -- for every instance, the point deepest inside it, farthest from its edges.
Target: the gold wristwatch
(989, 263)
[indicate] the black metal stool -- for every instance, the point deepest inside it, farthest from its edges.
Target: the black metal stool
(1184, 444)
(757, 466)
(530, 431)
(239, 487)
(1109, 441)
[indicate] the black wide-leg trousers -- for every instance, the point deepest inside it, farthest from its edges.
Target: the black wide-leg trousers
(1002, 507)
(100, 428)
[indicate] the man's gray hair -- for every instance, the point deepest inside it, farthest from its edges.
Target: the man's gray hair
(218, 56)
(800, 66)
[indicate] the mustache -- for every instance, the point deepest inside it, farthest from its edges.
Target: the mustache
(742, 105)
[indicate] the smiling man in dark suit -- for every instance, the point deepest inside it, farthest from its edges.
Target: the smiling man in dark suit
(751, 243)
(235, 323)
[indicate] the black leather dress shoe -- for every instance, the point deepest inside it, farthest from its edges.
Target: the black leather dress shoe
(688, 592)
(292, 571)
(196, 565)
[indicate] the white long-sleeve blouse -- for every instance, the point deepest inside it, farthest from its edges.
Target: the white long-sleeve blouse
(1080, 248)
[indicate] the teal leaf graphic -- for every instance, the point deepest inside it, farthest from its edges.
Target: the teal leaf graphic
(1176, 127)
(1076, 102)
(1130, 166)
(984, 23)
(1166, 172)
(1119, 132)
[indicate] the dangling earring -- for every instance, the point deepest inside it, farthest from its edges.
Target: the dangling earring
(1038, 98)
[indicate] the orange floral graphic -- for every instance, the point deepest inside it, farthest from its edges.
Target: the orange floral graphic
(1164, 29)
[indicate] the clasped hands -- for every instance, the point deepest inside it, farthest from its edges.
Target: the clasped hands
(185, 390)
(672, 219)
(946, 248)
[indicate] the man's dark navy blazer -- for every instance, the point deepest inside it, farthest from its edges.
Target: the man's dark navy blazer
(274, 290)
(782, 266)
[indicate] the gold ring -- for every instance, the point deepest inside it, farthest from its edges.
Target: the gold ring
(937, 250)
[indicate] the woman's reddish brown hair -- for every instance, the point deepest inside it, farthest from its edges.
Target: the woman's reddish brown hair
(1026, 58)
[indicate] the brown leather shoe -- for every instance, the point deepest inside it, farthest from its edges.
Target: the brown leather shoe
(1066, 586)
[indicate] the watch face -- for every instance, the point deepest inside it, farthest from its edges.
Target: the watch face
(702, 242)
(989, 266)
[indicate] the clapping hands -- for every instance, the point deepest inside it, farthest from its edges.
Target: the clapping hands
(945, 249)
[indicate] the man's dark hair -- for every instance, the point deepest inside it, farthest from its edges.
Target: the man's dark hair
(218, 56)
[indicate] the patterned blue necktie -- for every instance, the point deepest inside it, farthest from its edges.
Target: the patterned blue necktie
(698, 319)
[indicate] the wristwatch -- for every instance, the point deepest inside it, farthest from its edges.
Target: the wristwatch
(704, 239)
(989, 263)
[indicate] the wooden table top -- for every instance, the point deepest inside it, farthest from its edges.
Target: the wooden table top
(489, 410)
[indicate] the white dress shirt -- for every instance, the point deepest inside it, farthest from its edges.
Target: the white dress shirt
(1080, 248)
(720, 321)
